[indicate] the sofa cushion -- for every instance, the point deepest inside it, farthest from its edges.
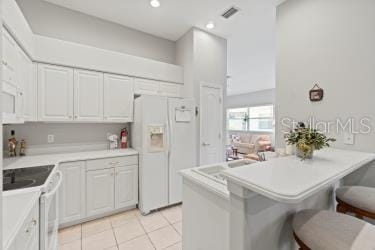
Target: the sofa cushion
(245, 138)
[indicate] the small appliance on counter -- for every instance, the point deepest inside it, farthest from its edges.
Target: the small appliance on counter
(113, 141)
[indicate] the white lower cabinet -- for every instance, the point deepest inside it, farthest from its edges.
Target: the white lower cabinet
(126, 186)
(99, 186)
(28, 236)
(100, 191)
(72, 196)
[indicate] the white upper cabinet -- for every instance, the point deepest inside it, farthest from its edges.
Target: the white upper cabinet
(146, 87)
(55, 88)
(88, 95)
(26, 80)
(151, 87)
(9, 57)
(169, 89)
(118, 98)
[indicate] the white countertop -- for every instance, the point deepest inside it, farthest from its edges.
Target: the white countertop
(17, 203)
(207, 183)
(54, 159)
(290, 180)
(16, 208)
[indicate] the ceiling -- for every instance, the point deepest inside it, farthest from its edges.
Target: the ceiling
(250, 32)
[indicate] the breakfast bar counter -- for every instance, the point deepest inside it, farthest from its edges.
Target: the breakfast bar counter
(291, 180)
(265, 195)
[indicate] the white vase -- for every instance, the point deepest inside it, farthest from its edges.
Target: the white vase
(289, 149)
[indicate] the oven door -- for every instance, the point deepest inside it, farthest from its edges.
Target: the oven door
(49, 214)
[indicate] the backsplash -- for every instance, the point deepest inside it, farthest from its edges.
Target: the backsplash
(67, 137)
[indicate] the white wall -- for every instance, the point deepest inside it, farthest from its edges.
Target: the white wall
(185, 58)
(204, 59)
(58, 22)
(252, 48)
(66, 134)
(257, 98)
(330, 42)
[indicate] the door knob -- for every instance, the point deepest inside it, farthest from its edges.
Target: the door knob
(205, 144)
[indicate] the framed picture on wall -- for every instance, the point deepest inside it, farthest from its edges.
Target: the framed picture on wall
(316, 93)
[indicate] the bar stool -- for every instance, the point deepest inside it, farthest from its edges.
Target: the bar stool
(326, 230)
(357, 200)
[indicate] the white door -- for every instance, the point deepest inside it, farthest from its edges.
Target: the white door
(100, 191)
(25, 75)
(126, 186)
(88, 95)
(72, 197)
(55, 89)
(118, 98)
(211, 124)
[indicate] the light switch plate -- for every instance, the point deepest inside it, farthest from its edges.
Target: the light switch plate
(348, 138)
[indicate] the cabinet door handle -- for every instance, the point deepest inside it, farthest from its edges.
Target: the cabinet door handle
(114, 163)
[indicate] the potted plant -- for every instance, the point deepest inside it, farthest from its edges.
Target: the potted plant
(307, 140)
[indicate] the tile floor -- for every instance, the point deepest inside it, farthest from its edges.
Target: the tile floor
(127, 231)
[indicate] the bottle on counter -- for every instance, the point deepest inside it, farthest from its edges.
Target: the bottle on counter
(23, 147)
(12, 145)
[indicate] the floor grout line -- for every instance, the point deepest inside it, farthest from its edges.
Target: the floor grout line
(138, 218)
(144, 229)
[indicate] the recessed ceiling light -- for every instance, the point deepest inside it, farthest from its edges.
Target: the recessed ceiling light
(155, 3)
(210, 25)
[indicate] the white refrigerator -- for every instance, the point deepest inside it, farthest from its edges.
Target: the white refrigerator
(163, 132)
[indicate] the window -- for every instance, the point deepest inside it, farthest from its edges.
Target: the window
(237, 119)
(259, 118)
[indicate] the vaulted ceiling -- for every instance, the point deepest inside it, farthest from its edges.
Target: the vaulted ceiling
(250, 32)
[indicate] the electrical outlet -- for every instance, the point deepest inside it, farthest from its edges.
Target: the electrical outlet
(348, 138)
(50, 138)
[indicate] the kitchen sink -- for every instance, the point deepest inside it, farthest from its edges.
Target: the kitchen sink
(213, 172)
(240, 163)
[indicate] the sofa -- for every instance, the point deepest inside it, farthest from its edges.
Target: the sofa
(250, 143)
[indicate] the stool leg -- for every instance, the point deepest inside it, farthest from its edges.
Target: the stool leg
(359, 216)
(340, 208)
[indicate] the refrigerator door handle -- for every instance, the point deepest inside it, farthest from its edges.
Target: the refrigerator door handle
(169, 135)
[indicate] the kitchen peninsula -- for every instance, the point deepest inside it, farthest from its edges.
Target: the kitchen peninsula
(263, 196)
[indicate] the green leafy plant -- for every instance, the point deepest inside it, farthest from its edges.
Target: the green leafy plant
(307, 140)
